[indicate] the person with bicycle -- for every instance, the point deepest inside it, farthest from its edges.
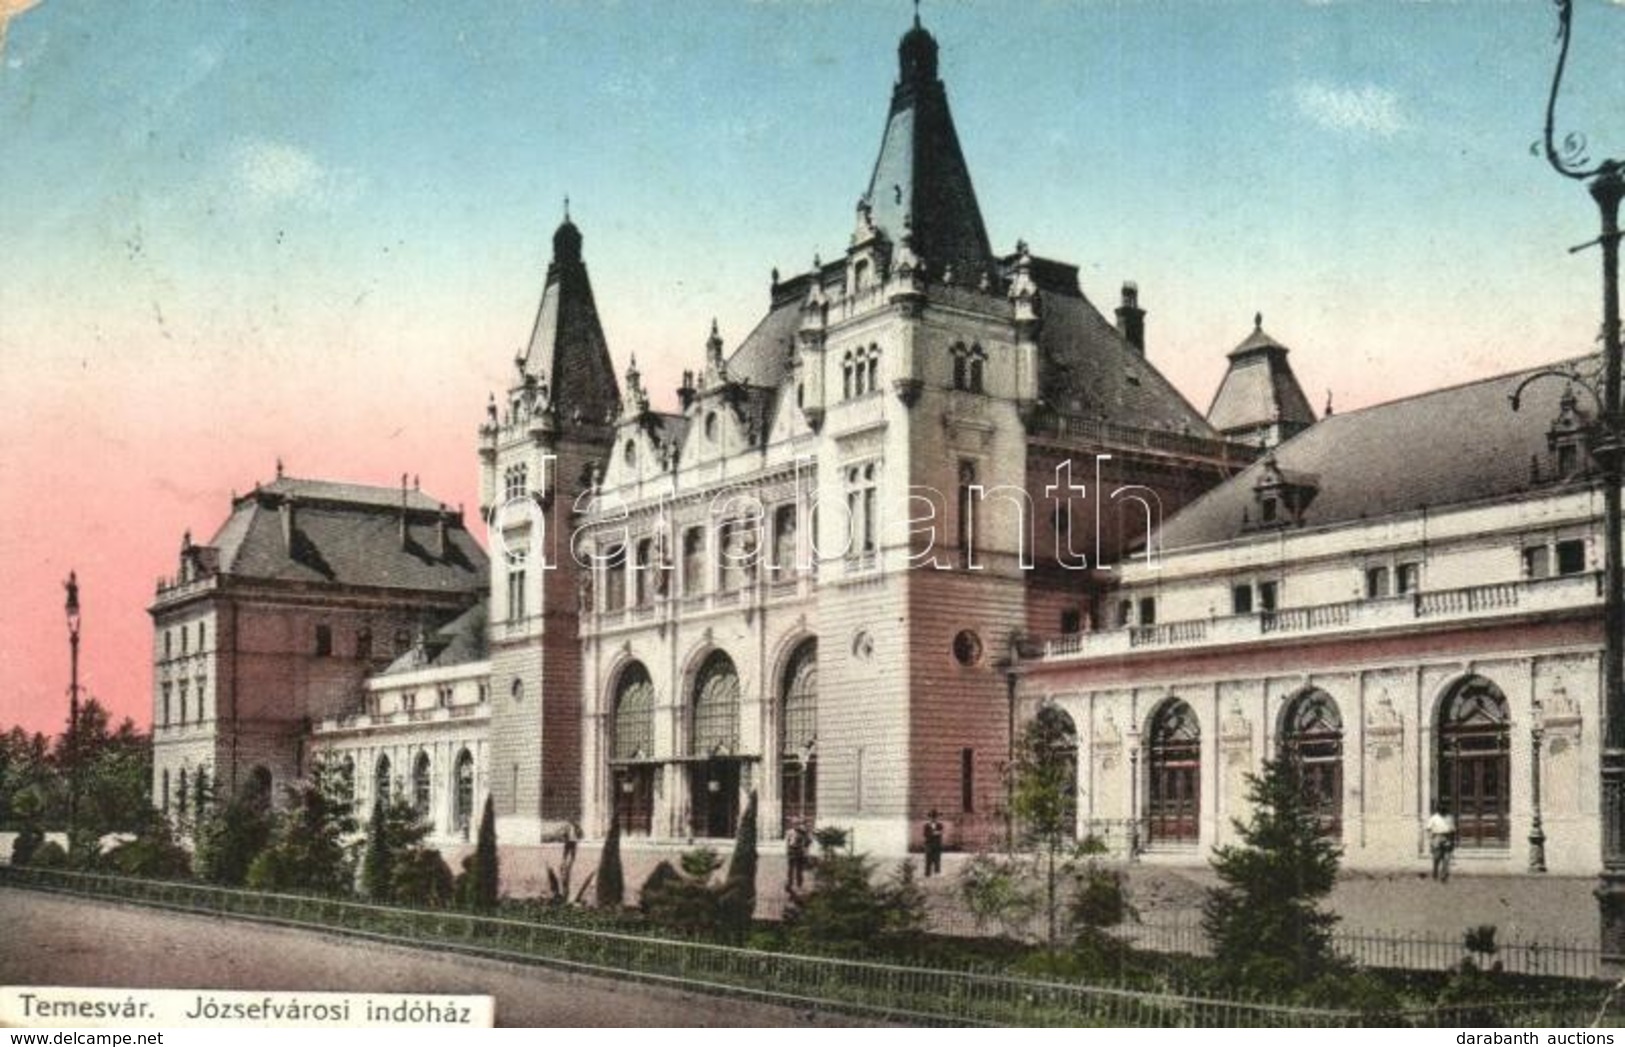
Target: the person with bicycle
(1442, 841)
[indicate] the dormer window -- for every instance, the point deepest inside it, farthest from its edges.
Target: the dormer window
(1269, 509)
(1283, 495)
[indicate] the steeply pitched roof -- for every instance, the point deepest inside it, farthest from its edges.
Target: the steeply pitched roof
(459, 642)
(1259, 389)
(1087, 368)
(920, 177)
(567, 350)
(347, 534)
(1448, 447)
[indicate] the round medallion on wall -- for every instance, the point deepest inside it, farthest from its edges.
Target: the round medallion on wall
(967, 648)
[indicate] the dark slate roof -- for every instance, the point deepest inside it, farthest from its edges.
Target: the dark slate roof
(1453, 446)
(1259, 388)
(567, 349)
(1087, 368)
(459, 642)
(920, 175)
(764, 355)
(348, 534)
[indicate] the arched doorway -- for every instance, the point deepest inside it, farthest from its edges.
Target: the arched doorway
(1174, 775)
(462, 802)
(1059, 736)
(798, 737)
(1474, 762)
(713, 737)
(632, 750)
(1312, 743)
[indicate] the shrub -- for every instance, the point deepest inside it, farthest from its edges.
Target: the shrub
(846, 912)
(422, 877)
(997, 893)
(229, 838)
(50, 855)
(611, 879)
(154, 852)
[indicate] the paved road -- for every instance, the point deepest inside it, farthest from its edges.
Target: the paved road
(51, 940)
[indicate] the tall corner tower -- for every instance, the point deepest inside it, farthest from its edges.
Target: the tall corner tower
(926, 347)
(538, 452)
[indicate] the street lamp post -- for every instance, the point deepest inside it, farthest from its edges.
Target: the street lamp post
(72, 608)
(1537, 832)
(1606, 180)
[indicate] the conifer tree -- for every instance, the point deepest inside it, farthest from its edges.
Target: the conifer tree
(611, 880)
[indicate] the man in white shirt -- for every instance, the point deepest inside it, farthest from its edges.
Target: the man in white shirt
(1442, 840)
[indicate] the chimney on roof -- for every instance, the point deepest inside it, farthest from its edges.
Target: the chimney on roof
(288, 522)
(403, 510)
(1131, 318)
(442, 542)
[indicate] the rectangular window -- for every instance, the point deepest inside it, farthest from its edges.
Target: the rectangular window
(967, 512)
(967, 780)
(185, 633)
(1376, 583)
(166, 704)
(1568, 460)
(516, 594)
(1409, 577)
(202, 681)
(1269, 595)
(614, 577)
(1148, 610)
(1571, 556)
(1125, 613)
(1241, 599)
(784, 541)
(1536, 562)
(183, 701)
(324, 641)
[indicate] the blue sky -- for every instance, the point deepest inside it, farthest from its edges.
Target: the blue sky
(318, 230)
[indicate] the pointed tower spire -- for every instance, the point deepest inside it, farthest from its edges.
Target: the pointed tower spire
(1260, 397)
(921, 171)
(567, 354)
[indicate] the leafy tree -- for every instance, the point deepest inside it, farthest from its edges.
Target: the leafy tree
(611, 878)
(27, 808)
(736, 905)
(308, 850)
(1043, 776)
(228, 837)
(1265, 922)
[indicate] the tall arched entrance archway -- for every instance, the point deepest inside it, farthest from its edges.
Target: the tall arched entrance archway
(1312, 744)
(713, 744)
(632, 772)
(798, 737)
(1474, 762)
(1173, 801)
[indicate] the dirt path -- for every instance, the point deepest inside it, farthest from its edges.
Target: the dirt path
(51, 940)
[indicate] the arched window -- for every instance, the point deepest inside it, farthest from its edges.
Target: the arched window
(874, 367)
(164, 798)
(961, 365)
(1474, 762)
(714, 737)
(463, 798)
(634, 714)
(631, 750)
(694, 561)
(978, 364)
(421, 786)
(1174, 775)
(1312, 743)
(380, 781)
(643, 580)
(716, 707)
(614, 562)
(180, 800)
(798, 736)
(847, 369)
(1059, 737)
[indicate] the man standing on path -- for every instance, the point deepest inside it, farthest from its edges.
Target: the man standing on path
(795, 854)
(933, 844)
(1441, 840)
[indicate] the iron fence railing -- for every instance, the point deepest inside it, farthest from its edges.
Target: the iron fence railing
(1416, 951)
(916, 994)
